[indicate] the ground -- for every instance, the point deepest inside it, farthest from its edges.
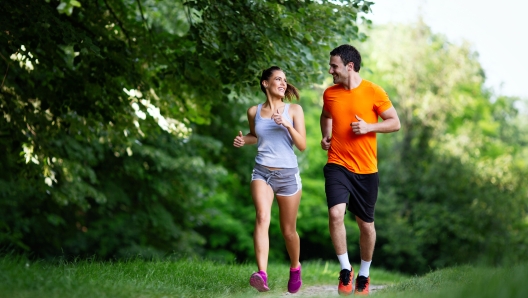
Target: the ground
(323, 291)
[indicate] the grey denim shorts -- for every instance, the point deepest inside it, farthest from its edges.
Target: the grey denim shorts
(284, 182)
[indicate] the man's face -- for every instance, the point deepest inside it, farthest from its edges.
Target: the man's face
(338, 70)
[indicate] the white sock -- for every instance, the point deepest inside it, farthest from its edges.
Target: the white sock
(364, 268)
(343, 260)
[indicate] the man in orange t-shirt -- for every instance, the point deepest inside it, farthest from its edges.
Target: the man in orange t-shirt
(349, 123)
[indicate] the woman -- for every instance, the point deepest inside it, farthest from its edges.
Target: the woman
(275, 127)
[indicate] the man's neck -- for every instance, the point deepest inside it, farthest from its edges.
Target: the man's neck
(353, 81)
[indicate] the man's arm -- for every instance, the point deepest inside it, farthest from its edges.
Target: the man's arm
(390, 123)
(326, 129)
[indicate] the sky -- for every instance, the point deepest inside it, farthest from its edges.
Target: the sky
(498, 31)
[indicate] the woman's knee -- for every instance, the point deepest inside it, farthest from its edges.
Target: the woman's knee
(290, 235)
(263, 218)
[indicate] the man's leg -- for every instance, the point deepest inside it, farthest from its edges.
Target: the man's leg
(367, 240)
(336, 224)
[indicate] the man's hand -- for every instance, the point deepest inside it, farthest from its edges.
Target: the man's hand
(325, 143)
(239, 140)
(360, 127)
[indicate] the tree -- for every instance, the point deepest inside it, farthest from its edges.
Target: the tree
(451, 189)
(109, 146)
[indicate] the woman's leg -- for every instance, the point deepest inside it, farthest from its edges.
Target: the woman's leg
(263, 200)
(288, 208)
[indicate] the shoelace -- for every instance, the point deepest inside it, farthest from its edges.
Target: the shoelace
(344, 276)
(361, 283)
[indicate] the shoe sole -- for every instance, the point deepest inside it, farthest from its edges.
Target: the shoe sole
(258, 283)
(343, 293)
(295, 290)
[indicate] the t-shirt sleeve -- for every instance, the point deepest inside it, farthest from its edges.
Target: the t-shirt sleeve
(382, 101)
(324, 100)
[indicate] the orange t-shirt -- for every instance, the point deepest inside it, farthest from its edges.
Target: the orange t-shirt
(357, 153)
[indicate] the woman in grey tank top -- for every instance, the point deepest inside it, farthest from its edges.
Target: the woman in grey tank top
(275, 127)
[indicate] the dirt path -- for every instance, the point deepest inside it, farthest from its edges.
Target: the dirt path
(324, 291)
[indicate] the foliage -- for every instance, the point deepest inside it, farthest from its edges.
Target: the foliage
(451, 184)
(118, 117)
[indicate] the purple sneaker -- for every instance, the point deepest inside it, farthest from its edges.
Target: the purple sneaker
(295, 282)
(259, 280)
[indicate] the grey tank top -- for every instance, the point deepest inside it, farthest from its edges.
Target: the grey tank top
(274, 143)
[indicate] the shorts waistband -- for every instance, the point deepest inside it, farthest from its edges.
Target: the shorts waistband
(282, 171)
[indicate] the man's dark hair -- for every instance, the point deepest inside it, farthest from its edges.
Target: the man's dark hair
(348, 54)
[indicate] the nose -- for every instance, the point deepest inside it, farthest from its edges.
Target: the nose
(330, 70)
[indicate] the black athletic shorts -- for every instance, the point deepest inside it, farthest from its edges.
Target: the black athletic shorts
(358, 191)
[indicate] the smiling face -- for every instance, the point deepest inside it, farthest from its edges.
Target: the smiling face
(338, 70)
(276, 85)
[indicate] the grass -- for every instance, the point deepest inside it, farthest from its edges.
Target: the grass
(464, 282)
(20, 277)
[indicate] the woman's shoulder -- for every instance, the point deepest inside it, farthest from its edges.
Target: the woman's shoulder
(295, 107)
(252, 111)
(253, 108)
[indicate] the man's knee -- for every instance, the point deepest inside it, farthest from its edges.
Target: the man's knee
(366, 228)
(336, 214)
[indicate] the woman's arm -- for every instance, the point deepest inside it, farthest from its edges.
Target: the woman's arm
(251, 137)
(298, 130)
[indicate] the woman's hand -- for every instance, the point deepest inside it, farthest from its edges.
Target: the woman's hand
(239, 140)
(277, 117)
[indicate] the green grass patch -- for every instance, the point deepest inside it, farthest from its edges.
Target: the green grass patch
(20, 277)
(464, 282)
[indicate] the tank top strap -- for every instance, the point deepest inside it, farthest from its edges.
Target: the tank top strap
(286, 108)
(259, 108)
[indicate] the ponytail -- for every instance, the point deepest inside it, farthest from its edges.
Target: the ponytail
(291, 92)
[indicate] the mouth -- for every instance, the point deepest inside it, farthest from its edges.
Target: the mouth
(282, 89)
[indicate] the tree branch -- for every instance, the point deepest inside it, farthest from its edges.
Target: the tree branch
(118, 21)
(7, 69)
(149, 32)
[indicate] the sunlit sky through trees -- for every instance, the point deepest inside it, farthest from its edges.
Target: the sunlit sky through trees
(496, 29)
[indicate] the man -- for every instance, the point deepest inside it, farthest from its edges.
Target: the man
(349, 123)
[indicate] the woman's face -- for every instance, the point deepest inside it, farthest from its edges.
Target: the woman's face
(276, 85)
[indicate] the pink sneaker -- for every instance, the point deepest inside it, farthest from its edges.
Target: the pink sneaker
(295, 282)
(259, 280)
